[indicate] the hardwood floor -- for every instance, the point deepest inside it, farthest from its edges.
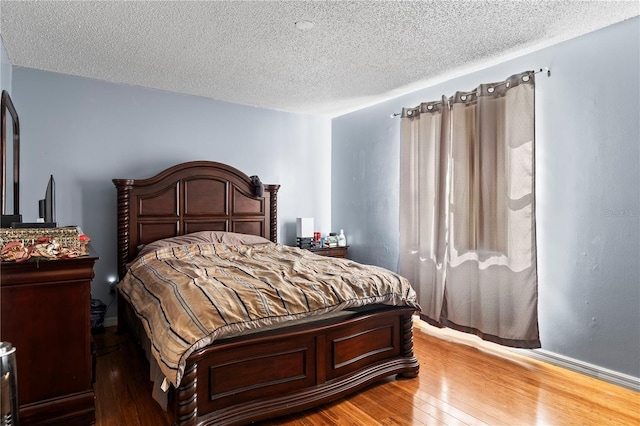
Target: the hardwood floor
(462, 381)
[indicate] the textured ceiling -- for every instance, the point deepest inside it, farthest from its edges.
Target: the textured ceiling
(357, 54)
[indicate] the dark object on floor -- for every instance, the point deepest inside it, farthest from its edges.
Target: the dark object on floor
(98, 309)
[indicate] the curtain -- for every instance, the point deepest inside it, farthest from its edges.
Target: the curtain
(467, 210)
(424, 152)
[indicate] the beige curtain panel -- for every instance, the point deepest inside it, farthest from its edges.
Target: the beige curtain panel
(467, 210)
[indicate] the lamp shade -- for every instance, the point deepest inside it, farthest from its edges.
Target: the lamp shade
(304, 227)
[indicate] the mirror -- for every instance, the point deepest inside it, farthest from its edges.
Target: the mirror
(10, 144)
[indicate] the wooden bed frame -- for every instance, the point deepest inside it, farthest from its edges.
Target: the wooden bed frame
(269, 373)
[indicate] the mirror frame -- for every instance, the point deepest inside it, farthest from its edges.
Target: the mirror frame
(7, 107)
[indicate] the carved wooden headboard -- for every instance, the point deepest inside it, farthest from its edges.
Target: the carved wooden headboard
(191, 197)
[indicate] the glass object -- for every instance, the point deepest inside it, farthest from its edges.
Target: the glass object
(9, 414)
(342, 240)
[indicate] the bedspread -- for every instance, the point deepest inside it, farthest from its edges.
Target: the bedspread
(188, 296)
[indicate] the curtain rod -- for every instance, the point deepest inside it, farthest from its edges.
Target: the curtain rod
(546, 70)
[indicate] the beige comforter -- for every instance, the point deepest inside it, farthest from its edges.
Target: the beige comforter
(188, 296)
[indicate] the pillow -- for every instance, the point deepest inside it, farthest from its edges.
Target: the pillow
(203, 237)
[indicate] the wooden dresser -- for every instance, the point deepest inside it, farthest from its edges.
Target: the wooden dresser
(330, 251)
(45, 315)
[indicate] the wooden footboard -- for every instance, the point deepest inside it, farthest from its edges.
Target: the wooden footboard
(267, 375)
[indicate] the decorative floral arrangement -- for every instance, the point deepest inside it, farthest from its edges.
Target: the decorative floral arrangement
(43, 248)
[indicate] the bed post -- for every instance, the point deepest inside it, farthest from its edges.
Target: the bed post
(407, 344)
(123, 186)
(186, 406)
(273, 207)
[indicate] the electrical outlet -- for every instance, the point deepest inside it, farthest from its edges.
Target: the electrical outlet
(112, 286)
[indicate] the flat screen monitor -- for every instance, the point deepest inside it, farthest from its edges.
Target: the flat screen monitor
(47, 206)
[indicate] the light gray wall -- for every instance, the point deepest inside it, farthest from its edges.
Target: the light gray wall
(588, 189)
(5, 69)
(87, 132)
(5, 84)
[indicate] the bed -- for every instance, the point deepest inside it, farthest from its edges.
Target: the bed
(274, 367)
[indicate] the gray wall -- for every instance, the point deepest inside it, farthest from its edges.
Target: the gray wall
(5, 69)
(5, 84)
(588, 193)
(87, 132)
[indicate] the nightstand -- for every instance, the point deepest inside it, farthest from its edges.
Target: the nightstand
(330, 251)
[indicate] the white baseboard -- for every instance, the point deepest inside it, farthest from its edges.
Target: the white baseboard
(110, 321)
(592, 370)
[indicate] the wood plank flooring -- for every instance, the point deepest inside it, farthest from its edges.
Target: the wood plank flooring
(462, 381)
